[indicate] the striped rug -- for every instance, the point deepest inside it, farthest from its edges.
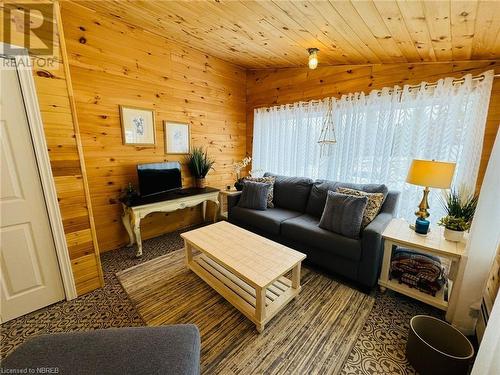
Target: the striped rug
(313, 334)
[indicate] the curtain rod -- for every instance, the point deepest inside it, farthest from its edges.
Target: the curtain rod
(410, 87)
(457, 80)
(434, 84)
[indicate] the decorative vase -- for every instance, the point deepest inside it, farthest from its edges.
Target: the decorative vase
(422, 225)
(453, 235)
(201, 183)
(239, 184)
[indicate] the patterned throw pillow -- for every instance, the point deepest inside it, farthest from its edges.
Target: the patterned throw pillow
(375, 201)
(265, 180)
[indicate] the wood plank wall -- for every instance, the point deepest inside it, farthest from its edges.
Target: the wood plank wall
(112, 63)
(280, 86)
(115, 64)
(66, 163)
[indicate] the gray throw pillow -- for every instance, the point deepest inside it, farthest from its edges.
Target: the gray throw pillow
(343, 214)
(265, 180)
(254, 195)
(373, 206)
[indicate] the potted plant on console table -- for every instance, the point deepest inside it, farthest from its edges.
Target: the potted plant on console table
(199, 164)
(460, 206)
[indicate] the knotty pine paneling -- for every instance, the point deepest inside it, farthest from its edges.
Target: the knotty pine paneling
(66, 169)
(271, 87)
(115, 64)
(66, 165)
(272, 34)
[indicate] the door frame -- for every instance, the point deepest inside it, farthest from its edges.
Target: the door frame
(35, 124)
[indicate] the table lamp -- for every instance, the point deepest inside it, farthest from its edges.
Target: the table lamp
(428, 173)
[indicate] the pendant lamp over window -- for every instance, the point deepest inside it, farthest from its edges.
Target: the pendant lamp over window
(327, 137)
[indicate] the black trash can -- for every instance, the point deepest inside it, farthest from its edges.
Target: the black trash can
(435, 347)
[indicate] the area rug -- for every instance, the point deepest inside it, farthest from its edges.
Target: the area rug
(313, 334)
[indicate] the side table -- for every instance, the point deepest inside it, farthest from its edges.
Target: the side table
(223, 202)
(399, 234)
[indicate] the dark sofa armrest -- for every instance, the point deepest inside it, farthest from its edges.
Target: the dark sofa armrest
(232, 200)
(371, 243)
(376, 227)
(390, 203)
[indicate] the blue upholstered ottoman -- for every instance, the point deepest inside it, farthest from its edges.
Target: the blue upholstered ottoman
(143, 350)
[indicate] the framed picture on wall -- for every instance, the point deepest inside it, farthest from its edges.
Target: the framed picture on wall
(138, 126)
(177, 137)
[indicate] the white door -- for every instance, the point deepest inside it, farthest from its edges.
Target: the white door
(29, 271)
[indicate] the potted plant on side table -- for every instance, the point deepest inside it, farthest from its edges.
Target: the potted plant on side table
(460, 206)
(199, 163)
(237, 169)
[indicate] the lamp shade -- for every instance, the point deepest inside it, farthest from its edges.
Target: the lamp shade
(435, 174)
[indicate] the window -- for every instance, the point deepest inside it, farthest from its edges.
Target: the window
(378, 135)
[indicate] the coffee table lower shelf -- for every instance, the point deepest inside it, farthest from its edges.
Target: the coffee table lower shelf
(259, 305)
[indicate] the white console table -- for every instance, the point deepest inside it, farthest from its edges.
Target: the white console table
(132, 215)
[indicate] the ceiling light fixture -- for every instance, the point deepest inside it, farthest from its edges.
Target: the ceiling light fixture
(313, 57)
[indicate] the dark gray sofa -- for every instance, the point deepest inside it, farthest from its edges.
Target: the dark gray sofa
(142, 350)
(294, 220)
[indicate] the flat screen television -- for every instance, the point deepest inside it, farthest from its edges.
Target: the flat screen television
(155, 178)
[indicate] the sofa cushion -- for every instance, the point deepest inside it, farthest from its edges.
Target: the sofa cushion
(254, 195)
(320, 188)
(291, 193)
(269, 220)
(304, 229)
(317, 198)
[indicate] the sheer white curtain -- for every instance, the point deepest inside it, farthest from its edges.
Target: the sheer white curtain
(378, 135)
(285, 138)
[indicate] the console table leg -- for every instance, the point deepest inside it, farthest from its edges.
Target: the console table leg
(138, 239)
(128, 227)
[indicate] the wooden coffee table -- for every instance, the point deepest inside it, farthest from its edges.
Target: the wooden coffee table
(246, 269)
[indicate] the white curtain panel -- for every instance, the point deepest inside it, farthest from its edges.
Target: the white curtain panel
(378, 135)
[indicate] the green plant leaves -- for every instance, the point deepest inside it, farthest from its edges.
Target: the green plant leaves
(199, 163)
(460, 205)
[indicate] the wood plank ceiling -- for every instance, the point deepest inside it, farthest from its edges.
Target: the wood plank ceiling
(270, 34)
